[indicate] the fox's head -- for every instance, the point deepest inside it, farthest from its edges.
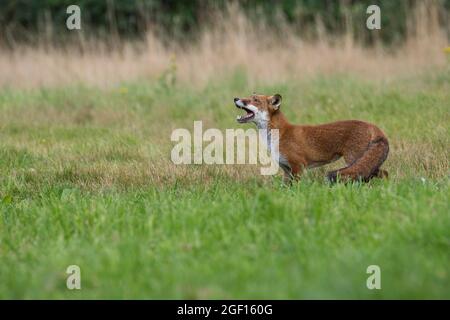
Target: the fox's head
(259, 108)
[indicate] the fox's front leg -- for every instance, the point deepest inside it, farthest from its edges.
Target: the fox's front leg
(292, 173)
(287, 177)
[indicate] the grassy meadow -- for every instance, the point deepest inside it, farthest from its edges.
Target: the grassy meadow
(86, 177)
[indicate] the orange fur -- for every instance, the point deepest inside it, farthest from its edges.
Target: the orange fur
(363, 145)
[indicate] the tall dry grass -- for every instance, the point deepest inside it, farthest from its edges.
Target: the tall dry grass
(233, 42)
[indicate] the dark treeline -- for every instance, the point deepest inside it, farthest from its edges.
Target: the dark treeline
(22, 20)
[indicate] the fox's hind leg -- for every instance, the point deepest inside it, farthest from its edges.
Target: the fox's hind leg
(291, 173)
(365, 167)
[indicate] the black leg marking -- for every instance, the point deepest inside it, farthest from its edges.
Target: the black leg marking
(332, 176)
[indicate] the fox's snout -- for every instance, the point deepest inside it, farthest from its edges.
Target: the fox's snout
(249, 109)
(239, 103)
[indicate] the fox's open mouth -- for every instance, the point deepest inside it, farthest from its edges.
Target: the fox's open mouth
(247, 117)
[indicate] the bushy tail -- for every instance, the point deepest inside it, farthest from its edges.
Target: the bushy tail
(366, 167)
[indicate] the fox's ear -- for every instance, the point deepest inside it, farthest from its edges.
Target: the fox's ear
(275, 101)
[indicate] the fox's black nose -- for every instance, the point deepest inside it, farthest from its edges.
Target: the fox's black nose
(236, 99)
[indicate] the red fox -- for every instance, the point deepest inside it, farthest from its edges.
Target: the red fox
(363, 145)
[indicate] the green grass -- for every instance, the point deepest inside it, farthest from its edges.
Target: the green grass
(86, 179)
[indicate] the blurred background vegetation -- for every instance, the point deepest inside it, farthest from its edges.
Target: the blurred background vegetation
(182, 20)
(171, 40)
